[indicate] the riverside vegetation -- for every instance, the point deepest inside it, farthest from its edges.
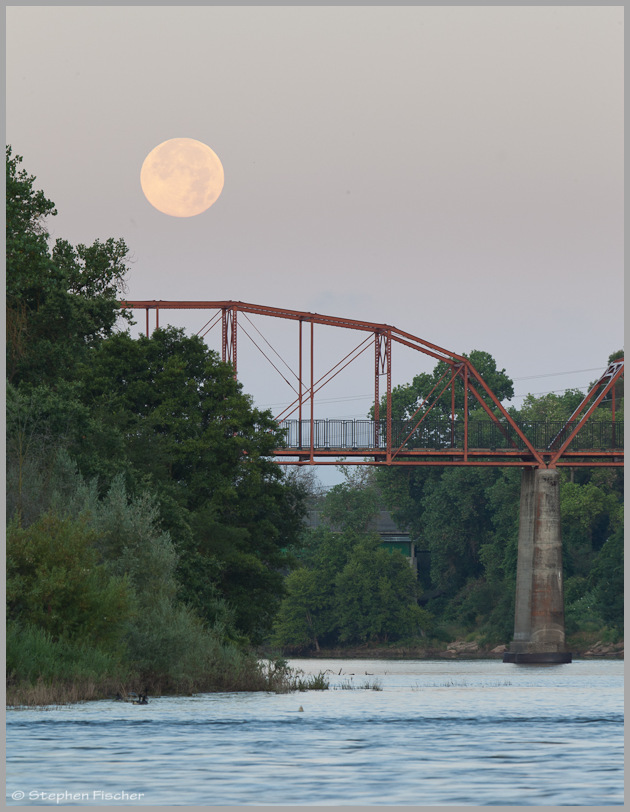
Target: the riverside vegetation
(148, 529)
(153, 545)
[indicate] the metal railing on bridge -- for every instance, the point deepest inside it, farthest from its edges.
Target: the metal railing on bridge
(443, 434)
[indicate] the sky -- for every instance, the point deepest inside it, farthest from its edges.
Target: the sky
(454, 171)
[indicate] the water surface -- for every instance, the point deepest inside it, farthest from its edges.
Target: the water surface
(414, 732)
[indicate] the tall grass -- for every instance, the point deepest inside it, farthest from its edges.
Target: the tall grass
(367, 685)
(32, 656)
(42, 671)
(314, 682)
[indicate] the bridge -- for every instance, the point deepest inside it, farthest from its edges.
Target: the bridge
(458, 435)
(424, 439)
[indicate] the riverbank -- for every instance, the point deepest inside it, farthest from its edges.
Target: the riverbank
(269, 676)
(275, 676)
(458, 650)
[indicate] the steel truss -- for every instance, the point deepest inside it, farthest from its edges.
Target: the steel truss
(454, 444)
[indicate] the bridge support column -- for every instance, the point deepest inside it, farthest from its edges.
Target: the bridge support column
(539, 635)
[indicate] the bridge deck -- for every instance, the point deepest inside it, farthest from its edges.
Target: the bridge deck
(442, 442)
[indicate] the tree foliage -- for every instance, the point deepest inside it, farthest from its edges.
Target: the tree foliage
(349, 589)
(191, 433)
(376, 595)
(137, 470)
(408, 398)
(353, 505)
(56, 582)
(59, 302)
(606, 578)
(467, 519)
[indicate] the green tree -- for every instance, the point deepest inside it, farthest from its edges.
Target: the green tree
(407, 398)
(193, 437)
(308, 613)
(96, 421)
(60, 302)
(56, 583)
(606, 578)
(304, 618)
(549, 407)
(587, 512)
(376, 595)
(349, 587)
(457, 523)
(353, 505)
(167, 642)
(51, 434)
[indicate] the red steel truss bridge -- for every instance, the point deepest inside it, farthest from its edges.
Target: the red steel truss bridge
(428, 437)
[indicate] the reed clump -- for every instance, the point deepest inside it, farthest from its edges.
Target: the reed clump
(44, 694)
(314, 682)
(366, 685)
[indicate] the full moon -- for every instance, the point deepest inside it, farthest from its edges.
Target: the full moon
(182, 177)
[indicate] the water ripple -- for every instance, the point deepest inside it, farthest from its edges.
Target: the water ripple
(537, 742)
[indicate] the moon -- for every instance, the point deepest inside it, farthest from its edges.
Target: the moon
(182, 177)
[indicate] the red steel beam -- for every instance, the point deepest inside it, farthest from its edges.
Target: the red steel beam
(284, 313)
(300, 393)
(383, 361)
(613, 372)
(388, 353)
(377, 390)
(453, 374)
(499, 462)
(312, 395)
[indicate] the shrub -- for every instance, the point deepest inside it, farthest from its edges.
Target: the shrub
(33, 655)
(55, 583)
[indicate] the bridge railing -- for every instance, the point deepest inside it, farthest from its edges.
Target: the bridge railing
(438, 433)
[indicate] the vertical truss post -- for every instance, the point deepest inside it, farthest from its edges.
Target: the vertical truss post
(312, 459)
(382, 366)
(466, 413)
(300, 390)
(389, 396)
(228, 337)
(377, 396)
(224, 334)
(157, 318)
(614, 427)
(147, 312)
(453, 411)
(234, 341)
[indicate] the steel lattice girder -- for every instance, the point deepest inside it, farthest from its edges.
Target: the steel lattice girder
(461, 369)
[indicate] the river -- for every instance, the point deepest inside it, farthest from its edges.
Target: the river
(412, 732)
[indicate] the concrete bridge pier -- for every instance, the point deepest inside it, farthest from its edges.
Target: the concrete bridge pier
(539, 635)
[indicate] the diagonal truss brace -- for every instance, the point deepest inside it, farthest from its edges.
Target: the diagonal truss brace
(612, 374)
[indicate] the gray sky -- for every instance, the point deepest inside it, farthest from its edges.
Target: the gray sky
(454, 171)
